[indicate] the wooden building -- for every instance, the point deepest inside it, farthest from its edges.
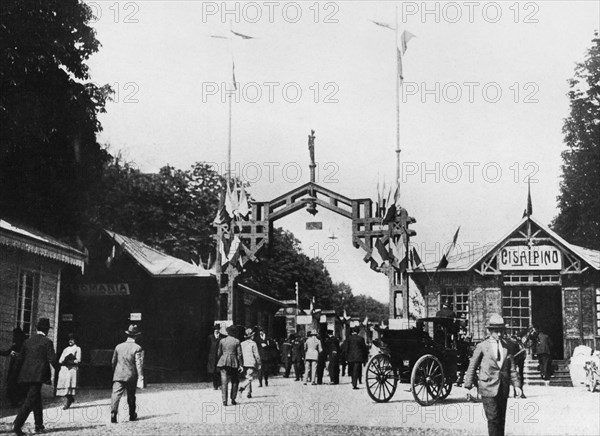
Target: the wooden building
(31, 269)
(172, 301)
(254, 308)
(531, 276)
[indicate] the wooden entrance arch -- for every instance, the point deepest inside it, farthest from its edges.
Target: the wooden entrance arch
(254, 233)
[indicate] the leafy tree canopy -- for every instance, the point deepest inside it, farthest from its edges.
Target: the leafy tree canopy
(578, 219)
(49, 156)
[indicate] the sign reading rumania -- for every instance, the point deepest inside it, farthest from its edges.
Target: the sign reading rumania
(101, 289)
(541, 257)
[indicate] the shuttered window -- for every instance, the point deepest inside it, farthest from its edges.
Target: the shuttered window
(26, 299)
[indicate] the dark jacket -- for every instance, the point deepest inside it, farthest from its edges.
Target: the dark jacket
(355, 349)
(35, 359)
(332, 345)
(213, 344)
(297, 350)
(544, 345)
(286, 352)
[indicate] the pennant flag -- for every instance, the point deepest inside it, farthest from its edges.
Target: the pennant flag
(387, 26)
(416, 260)
(345, 315)
(374, 265)
(397, 195)
(375, 256)
(383, 204)
(229, 202)
(312, 305)
(444, 260)
(234, 199)
(233, 72)
(390, 214)
(404, 38)
(381, 250)
(378, 204)
(222, 215)
(244, 207)
(224, 245)
(366, 321)
(241, 35)
(529, 210)
(400, 261)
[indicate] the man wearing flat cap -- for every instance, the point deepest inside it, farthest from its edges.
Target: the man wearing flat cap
(497, 371)
(35, 359)
(127, 363)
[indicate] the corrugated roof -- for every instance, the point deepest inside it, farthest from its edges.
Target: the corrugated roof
(155, 262)
(39, 243)
(467, 260)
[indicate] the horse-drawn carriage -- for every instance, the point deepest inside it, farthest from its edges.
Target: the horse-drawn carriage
(431, 356)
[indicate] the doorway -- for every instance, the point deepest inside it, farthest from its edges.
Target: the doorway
(546, 315)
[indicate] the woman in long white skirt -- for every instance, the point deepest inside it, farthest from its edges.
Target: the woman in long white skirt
(67, 377)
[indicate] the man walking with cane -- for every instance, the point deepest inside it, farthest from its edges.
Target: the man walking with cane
(497, 371)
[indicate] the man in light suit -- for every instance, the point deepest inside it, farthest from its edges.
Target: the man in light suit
(35, 359)
(497, 370)
(127, 363)
(312, 349)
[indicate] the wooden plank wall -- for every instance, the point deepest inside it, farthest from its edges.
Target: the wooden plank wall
(11, 262)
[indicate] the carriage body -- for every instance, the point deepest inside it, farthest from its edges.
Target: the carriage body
(432, 356)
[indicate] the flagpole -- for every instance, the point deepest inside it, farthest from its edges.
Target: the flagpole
(228, 175)
(397, 53)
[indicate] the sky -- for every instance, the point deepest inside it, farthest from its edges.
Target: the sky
(481, 107)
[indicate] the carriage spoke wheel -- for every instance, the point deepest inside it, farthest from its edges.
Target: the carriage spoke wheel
(446, 389)
(381, 378)
(427, 380)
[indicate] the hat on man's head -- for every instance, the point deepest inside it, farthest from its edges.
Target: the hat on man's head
(248, 333)
(133, 331)
(217, 327)
(43, 324)
(231, 330)
(495, 322)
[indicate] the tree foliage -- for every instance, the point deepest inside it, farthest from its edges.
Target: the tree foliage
(578, 219)
(171, 210)
(49, 156)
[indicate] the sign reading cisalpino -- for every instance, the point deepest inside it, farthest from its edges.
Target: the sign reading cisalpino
(541, 257)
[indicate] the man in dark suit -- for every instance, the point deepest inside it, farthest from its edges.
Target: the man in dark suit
(356, 354)
(497, 370)
(35, 359)
(211, 363)
(298, 357)
(128, 367)
(286, 355)
(544, 353)
(332, 348)
(267, 349)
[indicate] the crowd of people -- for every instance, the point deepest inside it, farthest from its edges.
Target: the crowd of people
(247, 353)
(256, 356)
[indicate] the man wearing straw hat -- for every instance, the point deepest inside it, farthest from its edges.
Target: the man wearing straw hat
(127, 363)
(497, 371)
(251, 358)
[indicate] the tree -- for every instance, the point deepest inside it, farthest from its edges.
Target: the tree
(172, 210)
(49, 156)
(578, 219)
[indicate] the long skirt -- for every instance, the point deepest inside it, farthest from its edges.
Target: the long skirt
(67, 381)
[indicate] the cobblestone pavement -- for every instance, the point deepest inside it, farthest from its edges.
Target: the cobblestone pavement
(287, 407)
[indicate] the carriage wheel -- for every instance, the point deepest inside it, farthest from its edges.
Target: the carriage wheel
(427, 380)
(381, 379)
(446, 389)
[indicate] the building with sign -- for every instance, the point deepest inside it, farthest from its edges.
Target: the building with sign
(31, 267)
(126, 281)
(531, 276)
